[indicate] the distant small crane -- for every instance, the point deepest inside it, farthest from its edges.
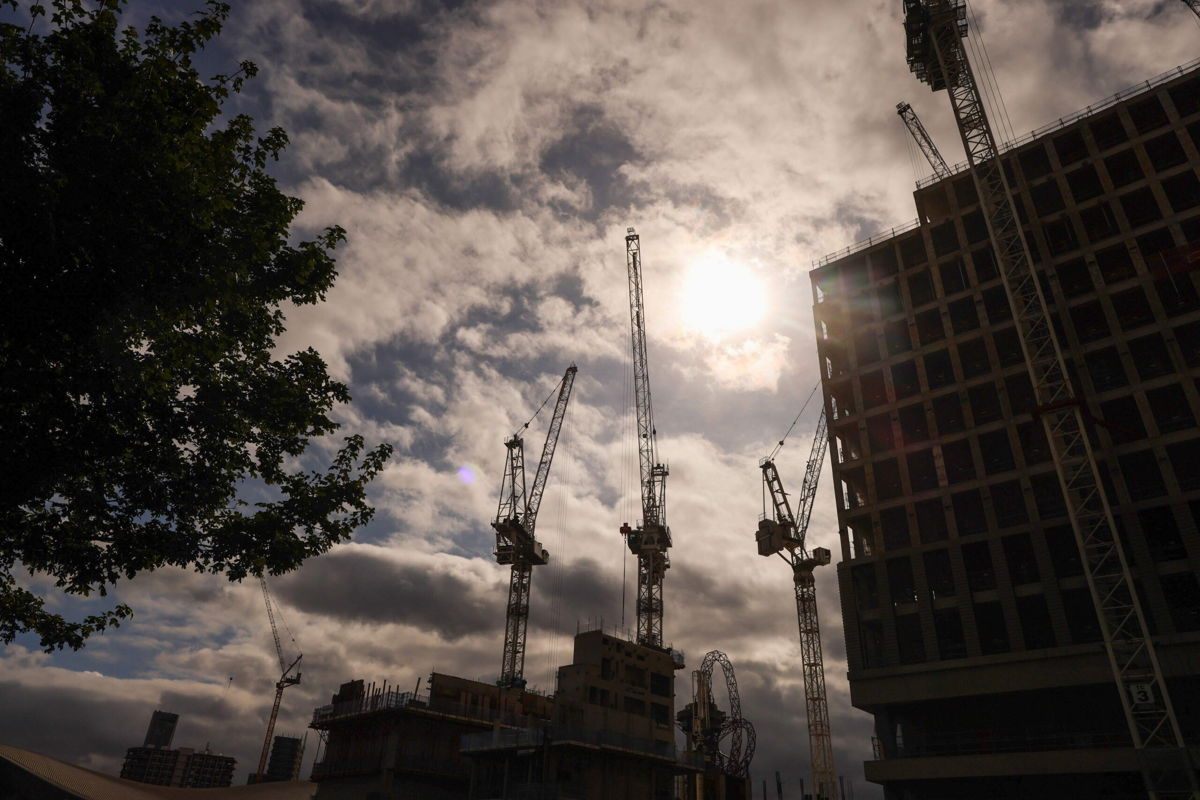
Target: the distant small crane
(924, 140)
(516, 517)
(780, 531)
(286, 679)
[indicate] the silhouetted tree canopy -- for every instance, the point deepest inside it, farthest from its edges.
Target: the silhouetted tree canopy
(144, 258)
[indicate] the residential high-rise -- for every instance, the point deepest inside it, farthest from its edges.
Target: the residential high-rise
(286, 754)
(970, 631)
(161, 730)
(183, 767)
(156, 763)
(284, 764)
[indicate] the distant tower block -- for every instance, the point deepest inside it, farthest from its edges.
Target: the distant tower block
(161, 731)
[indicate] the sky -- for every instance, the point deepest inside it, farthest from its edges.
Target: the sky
(485, 159)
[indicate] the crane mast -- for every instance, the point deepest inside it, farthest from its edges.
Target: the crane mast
(1194, 5)
(651, 539)
(784, 531)
(516, 519)
(286, 679)
(924, 140)
(934, 30)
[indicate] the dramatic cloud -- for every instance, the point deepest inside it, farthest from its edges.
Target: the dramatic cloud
(485, 159)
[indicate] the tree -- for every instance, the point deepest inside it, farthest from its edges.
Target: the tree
(144, 260)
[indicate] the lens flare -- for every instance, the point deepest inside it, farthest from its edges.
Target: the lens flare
(722, 297)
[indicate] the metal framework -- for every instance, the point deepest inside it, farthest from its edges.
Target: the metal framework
(783, 531)
(651, 539)
(1194, 5)
(286, 679)
(516, 518)
(934, 30)
(924, 140)
(709, 729)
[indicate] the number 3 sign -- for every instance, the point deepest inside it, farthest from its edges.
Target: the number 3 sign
(1141, 694)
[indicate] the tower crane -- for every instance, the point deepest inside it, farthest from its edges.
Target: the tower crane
(1194, 5)
(924, 140)
(934, 30)
(516, 518)
(651, 539)
(286, 679)
(780, 531)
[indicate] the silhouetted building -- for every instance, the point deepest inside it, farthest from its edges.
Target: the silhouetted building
(970, 630)
(179, 767)
(284, 762)
(392, 744)
(161, 731)
(160, 765)
(607, 732)
(611, 733)
(25, 775)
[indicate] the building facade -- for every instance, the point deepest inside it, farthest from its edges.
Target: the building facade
(970, 631)
(383, 743)
(607, 732)
(161, 730)
(610, 736)
(287, 753)
(182, 767)
(156, 763)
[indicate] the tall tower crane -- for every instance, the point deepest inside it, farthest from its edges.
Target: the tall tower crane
(934, 30)
(924, 140)
(1194, 5)
(784, 531)
(286, 679)
(651, 539)
(516, 518)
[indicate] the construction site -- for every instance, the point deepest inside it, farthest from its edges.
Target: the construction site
(1009, 392)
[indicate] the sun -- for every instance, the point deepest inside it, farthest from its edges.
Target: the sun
(721, 297)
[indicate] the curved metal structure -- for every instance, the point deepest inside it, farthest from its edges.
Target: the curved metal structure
(732, 726)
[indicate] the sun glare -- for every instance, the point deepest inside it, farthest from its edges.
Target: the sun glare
(721, 297)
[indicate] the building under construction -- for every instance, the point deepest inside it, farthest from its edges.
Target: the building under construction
(607, 732)
(608, 729)
(1011, 384)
